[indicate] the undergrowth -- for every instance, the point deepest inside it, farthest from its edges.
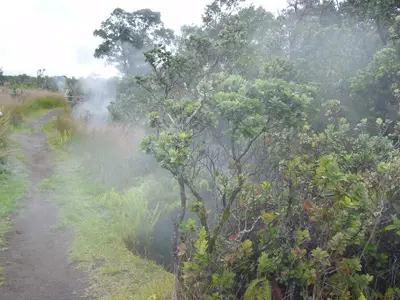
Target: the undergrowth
(21, 114)
(62, 129)
(98, 246)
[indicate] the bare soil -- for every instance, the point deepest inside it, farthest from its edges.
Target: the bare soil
(36, 262)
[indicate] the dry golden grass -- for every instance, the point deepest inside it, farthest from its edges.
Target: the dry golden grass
(124, 139)
(28, 103)
(27, 95)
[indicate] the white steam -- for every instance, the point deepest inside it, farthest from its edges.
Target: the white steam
(98, 94)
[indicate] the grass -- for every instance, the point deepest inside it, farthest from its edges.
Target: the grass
(114, 272)
(13, 185)
(28, 94)
(55, 138)
(13, 177)
(47, 184)
(98, 246)
(22, 113)
(62, 129)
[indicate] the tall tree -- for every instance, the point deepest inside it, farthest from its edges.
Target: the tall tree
(126, 35)
(2, 77)
(381, 13)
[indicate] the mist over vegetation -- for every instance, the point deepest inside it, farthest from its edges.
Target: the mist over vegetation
(253, 156)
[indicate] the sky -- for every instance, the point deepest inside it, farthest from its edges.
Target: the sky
(57, 35)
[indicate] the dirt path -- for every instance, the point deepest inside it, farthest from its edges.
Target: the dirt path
(36, 261)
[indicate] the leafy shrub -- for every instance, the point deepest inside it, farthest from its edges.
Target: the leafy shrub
(299, 208)
(317, 229)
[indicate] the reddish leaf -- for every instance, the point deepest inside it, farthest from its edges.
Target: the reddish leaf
(306, 207)
(233, 236)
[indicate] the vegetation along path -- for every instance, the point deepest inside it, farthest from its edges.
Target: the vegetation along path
(36, 261)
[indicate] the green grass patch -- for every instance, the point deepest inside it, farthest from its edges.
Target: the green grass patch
(45, 103)
(13, 185)
(5, 226)
(47, 184)
(100, 250)
(21, 114)
(23, 125)
(22, 128)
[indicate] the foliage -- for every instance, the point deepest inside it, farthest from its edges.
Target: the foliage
(134, 208)
(282, 135)
(381, 13)
(2, 78)
(375, 88)
(126, 35)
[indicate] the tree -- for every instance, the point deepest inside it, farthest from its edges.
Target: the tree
(277, 133)
(381, 12)
(2, 77)
(212, 139)
(375, 89)
(40, 78)
(127, 35)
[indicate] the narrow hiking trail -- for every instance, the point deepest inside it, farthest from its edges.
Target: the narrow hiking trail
(36, 263)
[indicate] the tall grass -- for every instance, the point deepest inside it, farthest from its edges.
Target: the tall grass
(62, 129)
(4, 139)
(113, 154)
(19, 111)
(136, 212)
(6, 95)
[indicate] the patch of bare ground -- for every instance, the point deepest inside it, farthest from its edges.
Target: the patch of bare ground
(36, 262)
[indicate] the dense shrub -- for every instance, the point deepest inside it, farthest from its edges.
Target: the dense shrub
(291, 169)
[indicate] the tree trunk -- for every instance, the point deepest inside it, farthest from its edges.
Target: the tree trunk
(175, 235)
